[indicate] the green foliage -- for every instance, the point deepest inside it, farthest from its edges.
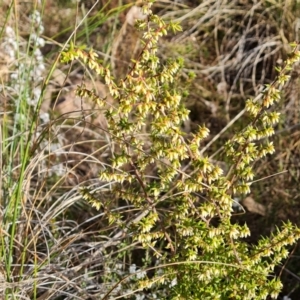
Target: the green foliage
(185, 203)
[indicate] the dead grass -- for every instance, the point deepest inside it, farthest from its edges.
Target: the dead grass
(65, 247)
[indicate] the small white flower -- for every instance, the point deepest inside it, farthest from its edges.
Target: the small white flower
(132, 269)
(36, 96)
(56, 148)
(139, 296)
(119, 269)
(36, 17)
(33, 37)
(19, 118)
(40, 29)
(14, 76)
(41, 67)
(117, 288)
(9, 48)
(37, 93)
(38, 54)
(12, 43)
(58, 170)
(45, 118)
(41, 42)
(160, 271)
(9, 31)
(173, 282)
(141, 274)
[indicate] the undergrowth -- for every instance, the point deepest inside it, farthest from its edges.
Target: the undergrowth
(132, 207)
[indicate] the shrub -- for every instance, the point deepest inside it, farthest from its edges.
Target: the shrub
(179, 204)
